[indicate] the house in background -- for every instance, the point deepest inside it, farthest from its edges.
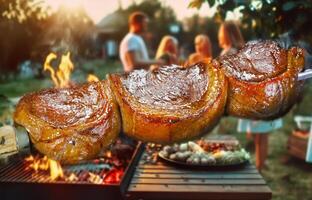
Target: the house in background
(110, 31)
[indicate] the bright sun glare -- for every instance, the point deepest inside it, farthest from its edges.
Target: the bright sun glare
(55, 4)
(97, 9)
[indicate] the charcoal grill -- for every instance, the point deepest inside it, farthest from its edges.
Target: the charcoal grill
(18, 183)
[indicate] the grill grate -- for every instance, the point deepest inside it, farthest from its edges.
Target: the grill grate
(18, 182)
(16, 172)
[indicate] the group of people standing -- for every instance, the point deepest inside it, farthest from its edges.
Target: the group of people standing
(134, 55)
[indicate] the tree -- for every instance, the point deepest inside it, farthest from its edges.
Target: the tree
(29, 30)
(69, 30)
(20, 25)
(267, 18)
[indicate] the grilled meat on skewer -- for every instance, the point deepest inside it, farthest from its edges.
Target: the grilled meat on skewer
(70, 124)
(262, 80)
(170, 104)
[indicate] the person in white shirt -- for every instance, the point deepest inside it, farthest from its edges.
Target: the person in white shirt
(133, 52)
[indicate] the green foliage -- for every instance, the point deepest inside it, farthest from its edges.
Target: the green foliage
(269, 18)
(29, 30)
(20, 25)
(197, 3)
(23, 10)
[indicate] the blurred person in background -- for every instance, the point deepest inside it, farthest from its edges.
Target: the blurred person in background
(168, 50)
(203, 50)
(133, 52)
(231, 40)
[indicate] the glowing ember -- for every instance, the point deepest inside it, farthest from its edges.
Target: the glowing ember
(62, 76)
(114, 176)
(37, 164)
(92, 78)
(108, 154)
(45, 164)
(107, 169)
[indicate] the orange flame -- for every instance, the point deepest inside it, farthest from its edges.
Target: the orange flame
(92, 78)
(37, 164)
(62, 76)
(56, 170)
(45, 164)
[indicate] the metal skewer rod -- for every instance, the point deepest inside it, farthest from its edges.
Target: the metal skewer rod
(305, 75)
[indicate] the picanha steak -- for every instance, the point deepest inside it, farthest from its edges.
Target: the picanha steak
(262, 80)
(70, 124)
(166, 105)
(170, 104)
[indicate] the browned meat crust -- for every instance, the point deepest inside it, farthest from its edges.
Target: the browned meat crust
(70, 124)
(262, 80)
(170, 104)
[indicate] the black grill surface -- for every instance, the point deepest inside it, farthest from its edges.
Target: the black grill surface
(18, 182)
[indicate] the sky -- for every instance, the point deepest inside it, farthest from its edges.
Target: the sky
(97, 9)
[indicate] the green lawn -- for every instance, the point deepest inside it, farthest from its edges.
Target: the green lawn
(100, 68)
(289, 178)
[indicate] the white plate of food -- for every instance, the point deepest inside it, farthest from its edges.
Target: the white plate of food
(205, 154)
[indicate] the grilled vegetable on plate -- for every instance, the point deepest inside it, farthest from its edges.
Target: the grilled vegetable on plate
(192, 154)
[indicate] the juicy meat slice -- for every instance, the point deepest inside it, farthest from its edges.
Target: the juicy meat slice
(170, 104)
(256, 62)
(262, 80)
(70, 124)
(169, 88)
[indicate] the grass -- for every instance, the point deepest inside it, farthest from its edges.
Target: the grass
(19, 87)
(289, 178)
